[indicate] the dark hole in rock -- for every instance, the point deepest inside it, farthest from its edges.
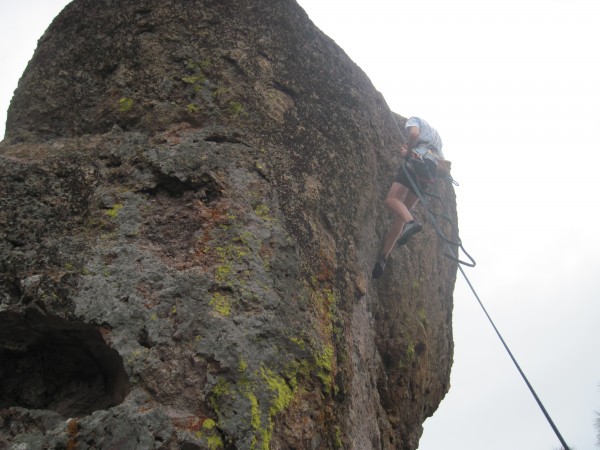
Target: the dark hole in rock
(49, 363)
(173, 186)
(205, 186)
(190, 446)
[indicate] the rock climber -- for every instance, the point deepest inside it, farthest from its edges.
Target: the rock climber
(401, 197)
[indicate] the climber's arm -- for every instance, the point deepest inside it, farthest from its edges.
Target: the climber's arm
(413, 137)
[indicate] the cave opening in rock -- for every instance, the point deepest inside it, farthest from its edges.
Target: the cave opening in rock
(47, 362)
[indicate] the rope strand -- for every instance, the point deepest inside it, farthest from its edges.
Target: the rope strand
(537, 399)
(450, 253)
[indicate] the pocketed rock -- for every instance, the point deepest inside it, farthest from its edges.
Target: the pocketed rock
(191, 207)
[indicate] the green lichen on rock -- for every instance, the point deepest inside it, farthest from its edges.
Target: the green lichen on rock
(243, 365)
(263, 211)
(209, 424)
(324, 362)
(222, 273)
(210, 435)
(410, 351)
(197, 79)
(338, 437)
(192, 108)
(237, 109)
(114, 211)
(296, 371)
(214, 442)
(221, 303)
(283, 394)
(219, 392)
(266, 394)
(125, 104)
(279, 396)
(255, 414)
(299, 342)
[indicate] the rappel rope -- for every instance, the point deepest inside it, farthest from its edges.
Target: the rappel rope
(452, 254)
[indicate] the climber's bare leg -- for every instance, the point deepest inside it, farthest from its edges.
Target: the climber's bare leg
(400, 200)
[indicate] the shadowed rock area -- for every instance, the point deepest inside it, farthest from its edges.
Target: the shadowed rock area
(49, 363)
(191, 205)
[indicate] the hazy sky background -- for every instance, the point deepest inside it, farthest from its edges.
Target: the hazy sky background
(513, 87)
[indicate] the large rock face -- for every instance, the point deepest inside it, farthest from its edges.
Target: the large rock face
(191, 207)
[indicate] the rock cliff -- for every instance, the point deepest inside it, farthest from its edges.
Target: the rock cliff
(191, 205)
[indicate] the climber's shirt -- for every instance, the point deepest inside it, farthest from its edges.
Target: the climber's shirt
(428, 137)
(426, 153)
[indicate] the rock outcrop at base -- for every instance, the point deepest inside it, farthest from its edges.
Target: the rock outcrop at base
(191, 207)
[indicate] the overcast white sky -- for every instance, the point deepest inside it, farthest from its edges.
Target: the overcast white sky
(513, 88)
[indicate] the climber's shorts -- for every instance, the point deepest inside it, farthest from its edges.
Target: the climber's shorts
(404, 181)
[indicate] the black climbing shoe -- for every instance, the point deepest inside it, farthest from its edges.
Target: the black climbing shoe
(410, 228)
(379, 266)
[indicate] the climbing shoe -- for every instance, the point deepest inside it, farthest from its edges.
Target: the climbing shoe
(410, 229)
(379, 266)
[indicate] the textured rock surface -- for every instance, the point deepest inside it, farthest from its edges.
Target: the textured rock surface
(190, 210)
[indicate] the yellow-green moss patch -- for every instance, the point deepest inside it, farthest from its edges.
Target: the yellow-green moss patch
(324, 362)
(221, 304)
(125, 104)
(283, 395)
(114, 211)
(209, 424)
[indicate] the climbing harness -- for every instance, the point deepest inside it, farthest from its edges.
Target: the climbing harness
(451, 251)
